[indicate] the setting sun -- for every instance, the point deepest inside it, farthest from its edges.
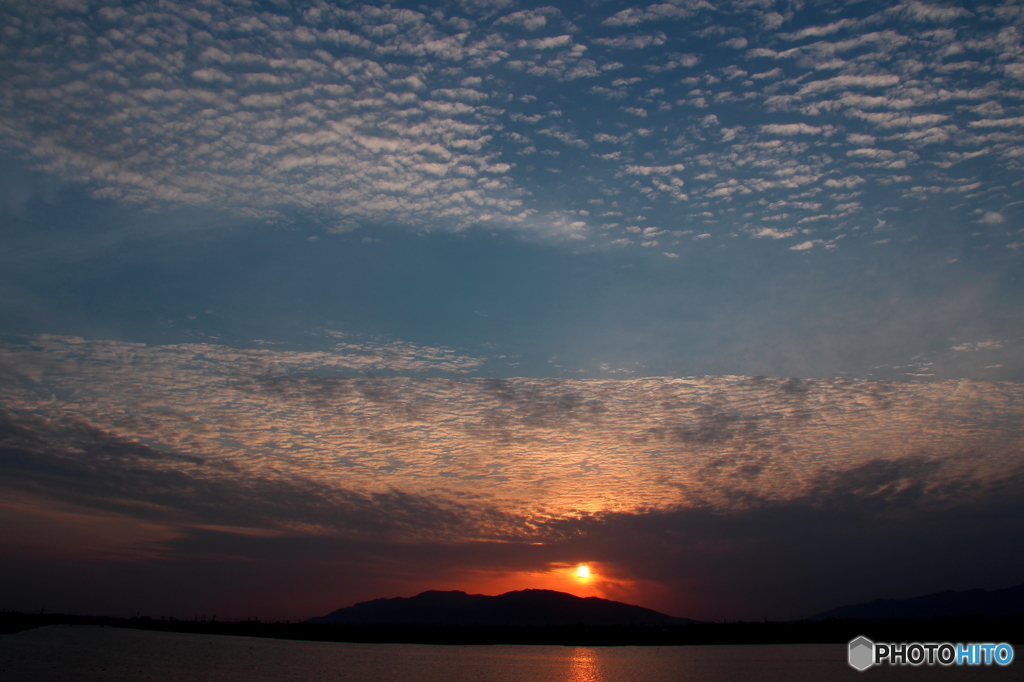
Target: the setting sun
(583, 571)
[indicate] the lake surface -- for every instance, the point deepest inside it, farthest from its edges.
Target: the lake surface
(70, 654)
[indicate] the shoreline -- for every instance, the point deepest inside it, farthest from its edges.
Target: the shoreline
(1008, 629)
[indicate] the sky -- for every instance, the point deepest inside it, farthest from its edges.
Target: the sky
(308, 303)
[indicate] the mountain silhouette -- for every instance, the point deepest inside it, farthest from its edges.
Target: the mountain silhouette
(1008, 602)
(519, 608)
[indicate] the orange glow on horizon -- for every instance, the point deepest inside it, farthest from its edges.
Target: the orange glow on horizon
(601, 581)
(558, 577)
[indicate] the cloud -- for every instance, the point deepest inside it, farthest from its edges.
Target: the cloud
(649, 439)
(610, 94)
(838, 82)
(853, 524)
(848, 182)
(794, 129)
(262, 454)
(772, 20)
(773, 233)
(653, 170)
(998, 122)
(978, 345)
(531, 20)
(774, 73)
(679, 9)
(485, 7)
(358, 116)
(932, 13)
(819, 31)
(633, 42)
(546, 43)
(264, 128)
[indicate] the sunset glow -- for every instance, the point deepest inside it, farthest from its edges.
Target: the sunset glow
(708, 307)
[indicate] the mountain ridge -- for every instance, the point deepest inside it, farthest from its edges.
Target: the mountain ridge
(536, 607)
(976, 602)
(517, 608)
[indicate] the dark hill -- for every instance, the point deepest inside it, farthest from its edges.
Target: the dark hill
(523, 607)
(1008, 602)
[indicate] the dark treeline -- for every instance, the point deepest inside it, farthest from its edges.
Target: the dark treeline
(830, 631)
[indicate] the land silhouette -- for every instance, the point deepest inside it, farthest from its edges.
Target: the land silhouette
(518, 608)
(1008, 602)
(549, 617)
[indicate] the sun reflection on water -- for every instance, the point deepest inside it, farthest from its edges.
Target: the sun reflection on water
(583, 666)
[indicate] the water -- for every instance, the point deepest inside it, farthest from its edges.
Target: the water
(72, 654)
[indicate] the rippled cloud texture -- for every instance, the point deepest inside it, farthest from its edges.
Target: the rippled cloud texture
(793, 123)
(267, 446)
(308, 303)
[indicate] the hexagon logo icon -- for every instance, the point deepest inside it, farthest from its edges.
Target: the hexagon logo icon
(862, 653)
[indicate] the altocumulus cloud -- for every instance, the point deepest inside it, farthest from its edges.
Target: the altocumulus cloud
(647, 475)
(363, 114)
(520, 442)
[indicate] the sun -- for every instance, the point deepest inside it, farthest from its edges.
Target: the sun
(583, 571)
